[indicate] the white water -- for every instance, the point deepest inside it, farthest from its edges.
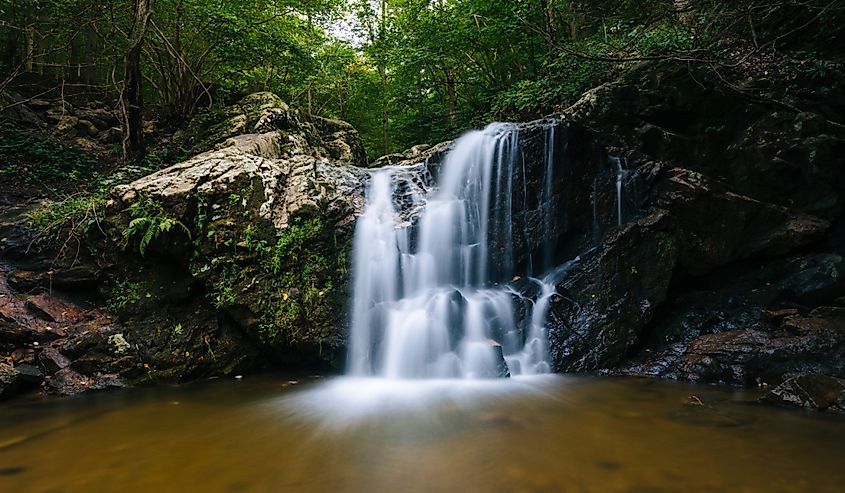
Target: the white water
(426, 302)
(620, 177)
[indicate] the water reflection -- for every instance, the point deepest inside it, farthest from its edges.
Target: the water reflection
(561, 434)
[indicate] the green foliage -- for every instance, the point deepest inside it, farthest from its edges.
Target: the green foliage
(290, 279)
(149, 222)
(26, 154)
(223, 292)
(75, 214)
(303, 279)
(420, 71)
(122, 294)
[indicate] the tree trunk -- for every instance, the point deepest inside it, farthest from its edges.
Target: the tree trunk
(131, 101)
(548, 7)
(74, 69)
(451, 98)
(576, 20)
(382, 70)
(310, 87)
(385, 116)
(90, 74)
(30, 48)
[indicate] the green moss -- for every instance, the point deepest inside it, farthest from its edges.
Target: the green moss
(288, 280)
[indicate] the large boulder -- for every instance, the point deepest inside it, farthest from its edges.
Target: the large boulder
(261, 224)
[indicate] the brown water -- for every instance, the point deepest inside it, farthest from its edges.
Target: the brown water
(552, 434)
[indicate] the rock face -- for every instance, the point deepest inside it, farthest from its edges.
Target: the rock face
(812, 391)
(728, 260)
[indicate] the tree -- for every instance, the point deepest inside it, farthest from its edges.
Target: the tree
(131, 95)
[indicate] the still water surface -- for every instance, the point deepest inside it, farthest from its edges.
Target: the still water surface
(538, 434)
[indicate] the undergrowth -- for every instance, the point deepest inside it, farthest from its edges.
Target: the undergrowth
(29, 155)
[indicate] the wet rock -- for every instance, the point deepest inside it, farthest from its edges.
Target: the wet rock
(502, 370)
(809, 390)
(744, 357)
(52, 360)
(14, 380)
(611, 295)
(68, 382)
(716, 226)
(735, 301)
(9, 380)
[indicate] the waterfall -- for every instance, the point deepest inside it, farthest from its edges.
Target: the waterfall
(620, 177)
(431, 300)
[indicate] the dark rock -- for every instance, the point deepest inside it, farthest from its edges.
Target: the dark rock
(716, 226)
(830, 312)
(52, 360)
(809, 390)
(611, 295)
(9, 380)
(111, 135)
(30, 375)
(730, 302)
(502, 370)
(745, 357)
(84, 127)
(23, 356)
(775, 316)
(67, 382)
(14, 380)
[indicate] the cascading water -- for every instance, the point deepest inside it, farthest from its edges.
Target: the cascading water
(426, 302)
(621, 173)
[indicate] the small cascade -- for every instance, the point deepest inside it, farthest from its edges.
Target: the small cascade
(431, 300)
(621, 174)
(548, 181)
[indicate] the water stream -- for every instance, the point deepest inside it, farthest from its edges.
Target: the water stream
(430, 300)
(547, 433)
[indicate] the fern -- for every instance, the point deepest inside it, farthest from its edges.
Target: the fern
(150, 222)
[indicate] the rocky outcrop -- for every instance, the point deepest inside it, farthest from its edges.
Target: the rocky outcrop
(88, 126)
(261, 224)
(729, 252)
(233, 260)
(264, 112)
